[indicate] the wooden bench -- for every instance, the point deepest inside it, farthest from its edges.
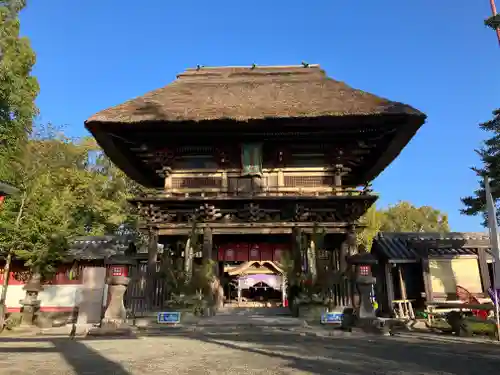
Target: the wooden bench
(435, 308)
(403, 309)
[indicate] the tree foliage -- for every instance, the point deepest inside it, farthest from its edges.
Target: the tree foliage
(405, 217)
(372, 219)
(67, 188)
(490, 158)
(18, 88)
(402, 217)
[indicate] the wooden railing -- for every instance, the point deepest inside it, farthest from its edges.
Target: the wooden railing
(273, 182)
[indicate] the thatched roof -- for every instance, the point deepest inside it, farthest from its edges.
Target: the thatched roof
(250, 93)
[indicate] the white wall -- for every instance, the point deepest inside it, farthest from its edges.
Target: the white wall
(50, 296)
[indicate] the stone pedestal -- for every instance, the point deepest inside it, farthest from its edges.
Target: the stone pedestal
(116, 315)
(114, 322)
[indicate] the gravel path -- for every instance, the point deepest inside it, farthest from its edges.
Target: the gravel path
(248, 351)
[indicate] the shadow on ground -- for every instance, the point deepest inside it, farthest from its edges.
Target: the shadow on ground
(344, 354)
(79, 356)
(359, 355)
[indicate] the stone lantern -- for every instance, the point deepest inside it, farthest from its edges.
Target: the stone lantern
(30, 304)
(364, 283)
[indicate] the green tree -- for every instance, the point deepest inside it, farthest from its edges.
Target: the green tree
(34, 225)
(67, 188)
(402, 217)
(405, 217)
(372, 220)
(18, 88)
(105, 191)
(490, 158)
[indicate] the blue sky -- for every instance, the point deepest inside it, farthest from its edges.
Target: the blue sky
(435, 55)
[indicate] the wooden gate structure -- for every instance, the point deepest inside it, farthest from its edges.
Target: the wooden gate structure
(258, 150)
(136, 301)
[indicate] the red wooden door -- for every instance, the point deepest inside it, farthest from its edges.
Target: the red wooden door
(221, 253)
(254, 254)
(266, 252)
(230, 254)
(242, 252)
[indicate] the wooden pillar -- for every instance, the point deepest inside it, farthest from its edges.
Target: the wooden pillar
(208, 244)
(389, 286)
(296, 256)
(239, 292)
(483, 270)
(297, 250)
(283, 290)
(403, 307)
(342, 257)
(352, 248)
(312, 261)
(207, 251)
(151, 268)
(188, 260)
(402, 284)
(427, 280)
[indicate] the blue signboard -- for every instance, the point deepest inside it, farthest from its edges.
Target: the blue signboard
(169, 317)
(331, 318)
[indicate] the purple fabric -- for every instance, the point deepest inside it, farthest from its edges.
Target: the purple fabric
(274, 281)
(492, 295)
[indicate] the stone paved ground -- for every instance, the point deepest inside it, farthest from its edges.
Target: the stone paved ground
(252, 316)
(245, 351)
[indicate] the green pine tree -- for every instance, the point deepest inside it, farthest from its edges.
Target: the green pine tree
(490, 158)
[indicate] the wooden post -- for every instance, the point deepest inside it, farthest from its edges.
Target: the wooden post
(207, 251)
(352, 248)
(188, 260)
(239, 292)
(312, 261)
(207, 244)
(483, 269)
(402, 283)
(403, 308)
(427, 280)
(296, 250)
(151, 270)
(389, 287)
(494, 12)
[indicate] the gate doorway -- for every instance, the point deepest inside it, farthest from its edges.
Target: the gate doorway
(135, 300)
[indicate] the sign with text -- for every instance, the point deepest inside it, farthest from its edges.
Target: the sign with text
(169, 317)
(331, 318)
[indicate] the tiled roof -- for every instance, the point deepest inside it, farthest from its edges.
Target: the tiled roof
(99, 247)
(411, 247)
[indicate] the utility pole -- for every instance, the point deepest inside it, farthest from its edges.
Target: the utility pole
(494, 21)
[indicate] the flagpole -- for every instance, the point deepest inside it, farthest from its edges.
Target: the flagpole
(494, 12)
(495, 249)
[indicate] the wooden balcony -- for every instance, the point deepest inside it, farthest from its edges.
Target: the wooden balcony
(292, 181)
